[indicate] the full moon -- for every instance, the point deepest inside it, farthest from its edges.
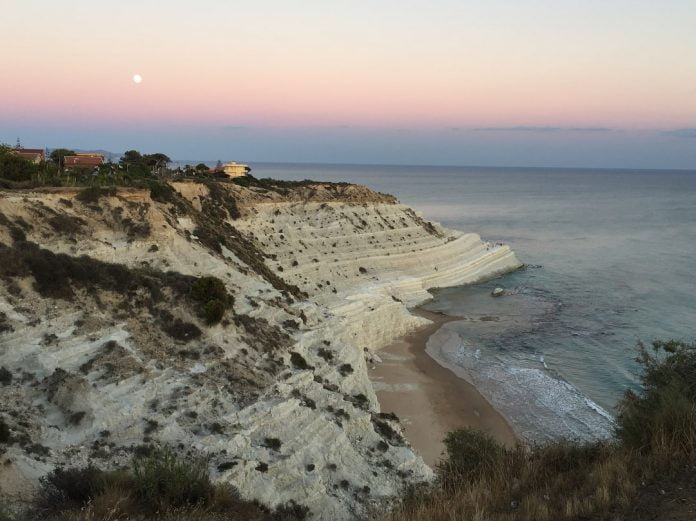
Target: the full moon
(137, 78)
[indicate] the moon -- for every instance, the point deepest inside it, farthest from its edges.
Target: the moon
(137, 78)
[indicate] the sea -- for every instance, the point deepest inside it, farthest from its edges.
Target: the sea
(610, 261)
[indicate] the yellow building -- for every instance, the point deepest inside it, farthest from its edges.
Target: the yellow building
(235, 169)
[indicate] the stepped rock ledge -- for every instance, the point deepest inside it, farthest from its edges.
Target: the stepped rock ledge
(322, 276)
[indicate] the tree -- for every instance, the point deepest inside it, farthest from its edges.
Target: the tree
(131, 157)
(135, 164)
(58, 155)
(156, 160)
(202, 168)
(14, 167)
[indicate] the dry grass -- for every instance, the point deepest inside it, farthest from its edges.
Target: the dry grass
(556, 482)
(158, 486)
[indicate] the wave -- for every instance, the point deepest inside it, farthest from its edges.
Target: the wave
(539, 406)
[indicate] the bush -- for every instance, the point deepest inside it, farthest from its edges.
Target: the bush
(156, 486)
(211, 292)
(469, 455)
(209, 288)
(184, 331)
(272, 443)
(15, 168)
(213, 311)
(92, 194)
(4, 432)
(298, 361)
(161, 192)
(662, 418)
(345, 369)
(66, 224)
(5, 376)
(161, 480)
(64, 489)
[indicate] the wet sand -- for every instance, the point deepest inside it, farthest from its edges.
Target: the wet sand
(430, 399)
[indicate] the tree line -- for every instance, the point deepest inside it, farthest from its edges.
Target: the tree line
(130, 167)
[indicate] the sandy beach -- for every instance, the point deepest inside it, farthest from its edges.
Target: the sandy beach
(430, 399)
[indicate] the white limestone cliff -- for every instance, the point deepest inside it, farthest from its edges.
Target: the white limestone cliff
(94, 375)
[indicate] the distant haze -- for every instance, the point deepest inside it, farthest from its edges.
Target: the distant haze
(530, 82)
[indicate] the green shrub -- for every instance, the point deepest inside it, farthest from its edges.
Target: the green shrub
(161, 192)
(180, 330)
(4, 432)
(213, 311)
(209, 288)
(326, 354)
(272, 443)
(212, 294)
(157, 486)
(92, 194)
(345, 369)
(662, 418)
(71, 488)
(15, 168)
(469, 454)
(298, 361)
(5, 376)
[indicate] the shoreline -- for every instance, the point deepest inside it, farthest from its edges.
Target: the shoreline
(429, 398)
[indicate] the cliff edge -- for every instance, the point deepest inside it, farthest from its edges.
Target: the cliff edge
(109, 347)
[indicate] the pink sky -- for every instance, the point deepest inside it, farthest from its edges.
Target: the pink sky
(389, 64)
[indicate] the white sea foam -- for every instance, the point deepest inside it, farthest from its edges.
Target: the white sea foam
(539, 406)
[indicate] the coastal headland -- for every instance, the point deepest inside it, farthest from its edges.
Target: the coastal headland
(236, 320)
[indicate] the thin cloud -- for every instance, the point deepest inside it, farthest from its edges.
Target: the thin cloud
(231, 128)
(542, 129)
(682, 132)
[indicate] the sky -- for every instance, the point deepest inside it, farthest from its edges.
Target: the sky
(578, 83)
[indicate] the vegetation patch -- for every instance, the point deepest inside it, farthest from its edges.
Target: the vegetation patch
(262, 336)
(183, 331)
(92, 194)
(272, 443)
(5, 376)
(646, 473)
(211, 293)
(4, 432)
(345, 369)
(157, 485)
(57, 274)
(298, 361)
(66, 224)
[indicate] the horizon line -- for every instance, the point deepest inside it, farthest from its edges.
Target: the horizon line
(250, 162)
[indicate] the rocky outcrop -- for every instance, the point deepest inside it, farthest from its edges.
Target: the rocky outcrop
(276, 394)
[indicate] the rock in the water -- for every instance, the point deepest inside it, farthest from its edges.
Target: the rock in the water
(498, 292)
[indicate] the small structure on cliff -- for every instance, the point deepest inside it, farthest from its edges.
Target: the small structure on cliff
(235, 169)
(35, 155)
(83, 161)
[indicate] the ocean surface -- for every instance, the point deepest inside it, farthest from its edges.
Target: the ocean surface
(611, 258)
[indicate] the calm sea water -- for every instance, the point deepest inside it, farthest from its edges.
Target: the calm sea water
(612, 256)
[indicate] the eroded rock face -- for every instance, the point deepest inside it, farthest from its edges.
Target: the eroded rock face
(321, 277)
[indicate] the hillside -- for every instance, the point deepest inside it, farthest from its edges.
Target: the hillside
(115, 336)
